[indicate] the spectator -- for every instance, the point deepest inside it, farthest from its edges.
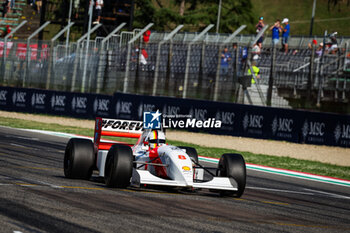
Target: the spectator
(225, 58)
(259, 27)
(143, 56)
(6, 8)
(8, 30)
(276, 29)
(12, 5)
(256, 51)
(319, 49)
(256, 71)
(146, 36)
(2, 32)
(38, 5)
(98, 7)
(347, 63)
(243, 55)
(333, 49)
(285, 35)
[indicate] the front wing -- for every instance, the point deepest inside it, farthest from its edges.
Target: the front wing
(219, 183)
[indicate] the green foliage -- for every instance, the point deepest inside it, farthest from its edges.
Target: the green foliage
(236, 13)
(328, 17)
(197, 14)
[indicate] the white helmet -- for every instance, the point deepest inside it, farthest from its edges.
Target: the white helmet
(156, 138)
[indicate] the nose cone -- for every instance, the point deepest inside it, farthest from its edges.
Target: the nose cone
(184, 168)
(180, 165)
(187, 172)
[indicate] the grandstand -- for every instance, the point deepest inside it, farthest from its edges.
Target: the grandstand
(21, 11)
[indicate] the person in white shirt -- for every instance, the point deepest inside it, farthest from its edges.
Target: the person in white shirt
(98, 7)
(256, 51)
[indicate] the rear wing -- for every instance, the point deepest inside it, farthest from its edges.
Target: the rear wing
(115, 128)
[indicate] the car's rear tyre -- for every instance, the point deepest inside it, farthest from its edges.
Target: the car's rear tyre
(79, 158)
(233, 166)
(118, 168)
(192, 152)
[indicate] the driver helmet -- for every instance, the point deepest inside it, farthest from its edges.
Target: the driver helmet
(156, 138)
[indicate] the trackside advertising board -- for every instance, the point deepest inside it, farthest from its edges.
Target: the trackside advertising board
(55, 102)
(194, 115)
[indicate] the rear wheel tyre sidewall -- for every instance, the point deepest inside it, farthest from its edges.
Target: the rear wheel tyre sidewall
(233, 166)
(118, 167)
(192, 152)
(79, 158)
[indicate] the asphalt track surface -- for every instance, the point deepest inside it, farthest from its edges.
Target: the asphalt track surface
(36, 197)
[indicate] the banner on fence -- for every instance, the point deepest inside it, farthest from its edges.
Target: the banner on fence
(237, 120)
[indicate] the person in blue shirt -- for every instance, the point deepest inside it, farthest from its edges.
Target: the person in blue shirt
(276, 29)
(285, 35)
(225, 58)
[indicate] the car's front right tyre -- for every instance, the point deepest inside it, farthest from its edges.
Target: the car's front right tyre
(192, 152)
(234, 167)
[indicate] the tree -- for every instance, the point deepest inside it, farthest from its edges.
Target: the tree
(234, 13)
(147, 12)
(194, 14)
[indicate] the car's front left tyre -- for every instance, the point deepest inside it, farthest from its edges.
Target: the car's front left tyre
(118, 167)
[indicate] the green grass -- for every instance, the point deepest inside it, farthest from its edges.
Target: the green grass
(299, 13)
(267, 160)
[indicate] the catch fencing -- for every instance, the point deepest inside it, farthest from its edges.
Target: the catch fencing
(180, 67)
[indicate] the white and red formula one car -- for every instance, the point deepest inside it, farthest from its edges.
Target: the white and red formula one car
(150, 161)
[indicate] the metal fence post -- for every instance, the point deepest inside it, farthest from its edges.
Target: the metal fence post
(184, 93)
(78, 55)
(5, 48)
(272, 75)
(49, 65)
(320, 87)
(69, 21)
(227, 41)
(87, 47)
(344, 68)
(217, 76)
(167, 38)
(168, 68)
(199, 94)
(75, 67)
(48, 81)
(311, 74)
(126, 77)
(26, 70)
(320, 76)
(103, 54)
